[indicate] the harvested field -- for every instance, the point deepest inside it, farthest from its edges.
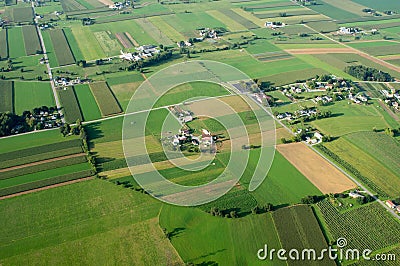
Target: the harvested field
(126, 43)
(322, 174)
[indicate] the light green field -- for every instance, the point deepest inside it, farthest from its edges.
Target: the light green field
(87, 103)
(73, 44)
(162, 25)
(29, 95)
(49, 49)
(110, 46)
(156, 33)
(80, 223)
(201, 238)
(87, 43)
(16, 42)
(231, 24)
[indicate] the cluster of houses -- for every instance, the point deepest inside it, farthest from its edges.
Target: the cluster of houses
(48, 120)
(358, 98)
(204, 141)
(322, 99)
(65, 82)
(142, 52)
(120, 5)
(297, 114)
(183, 116)
(348, 31)
(208, 33)
(393, 206)
(274, 24)
(315, 139)
(392, 98)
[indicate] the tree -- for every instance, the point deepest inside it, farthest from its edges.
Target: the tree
(233, 214)
(268, 207)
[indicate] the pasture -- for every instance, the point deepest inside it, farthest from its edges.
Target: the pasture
(29, 95)
(70, 104)
(6, 96)
(105, 99)
(61, 47)
(31, 40)
(87, 103)
(321, 173)
(201, 238)
(16, 47)
(82, 221)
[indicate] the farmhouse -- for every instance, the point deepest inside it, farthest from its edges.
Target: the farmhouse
(355, 194)
(390, 204)
(345, 30)
(143, 52)
(274, 24)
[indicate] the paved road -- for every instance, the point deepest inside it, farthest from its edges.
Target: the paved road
(53, 87)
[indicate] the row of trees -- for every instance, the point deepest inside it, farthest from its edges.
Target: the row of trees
(368, 73)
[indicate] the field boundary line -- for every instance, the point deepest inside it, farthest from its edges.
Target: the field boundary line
(47, 187)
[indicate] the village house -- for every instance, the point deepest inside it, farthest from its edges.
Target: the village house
(355, 194)
(274, 24)
(390, 204)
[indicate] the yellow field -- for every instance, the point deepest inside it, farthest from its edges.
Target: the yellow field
(326, 177)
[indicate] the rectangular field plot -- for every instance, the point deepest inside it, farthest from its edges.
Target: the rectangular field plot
(89, 108)
(381, 5)
(332, 11)
(154, 32)
(72, 5)
(6, 97)
(31, 40)
(29, 95)
(171, 32)
(298, 229)
(73, 44)
(108, 43)
(230, 23)
(236, 17)
(61, 47)
(87, 43)
(70, 104)
(22, 14)
(124, 40)
(378, 48)
(16, 46)
(105, 99)
(3, 44)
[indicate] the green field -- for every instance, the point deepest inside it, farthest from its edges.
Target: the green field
(381, 5)
(51, 54)
(81, 225)
(6, 96)
(87, 103)
(298, 228)
(369, 226)
(61, 47)
(331, 11)
(73, 44)
(207, 240)
(15, 42)
(31, 40)
(29, 95)
(3, 44)
(236, 17)
(105, 99)
(70, 105)
(156, 33)
(87, 43)
(22, 14)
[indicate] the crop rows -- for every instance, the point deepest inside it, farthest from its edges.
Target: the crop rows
(353, 171)
(46, 182)
(68, 99)
(245, 22)
(43, 167)
(105, 99)
(288, 14)
(122, 38)
(22, 14)
(3, 44)
(40, 153)
(61, 47)
(6, 96)
(31, 40)
(364, 227)
(298, 228)
(71, 5)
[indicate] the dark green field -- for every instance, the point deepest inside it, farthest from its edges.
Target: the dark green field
(61, 47)
(70, 104)
(3, 44)
(87, 103)
(105, 99)
(31, 40)
(6, 96)
(22, 14)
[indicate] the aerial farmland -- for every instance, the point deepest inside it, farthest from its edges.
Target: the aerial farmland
(199, 132)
